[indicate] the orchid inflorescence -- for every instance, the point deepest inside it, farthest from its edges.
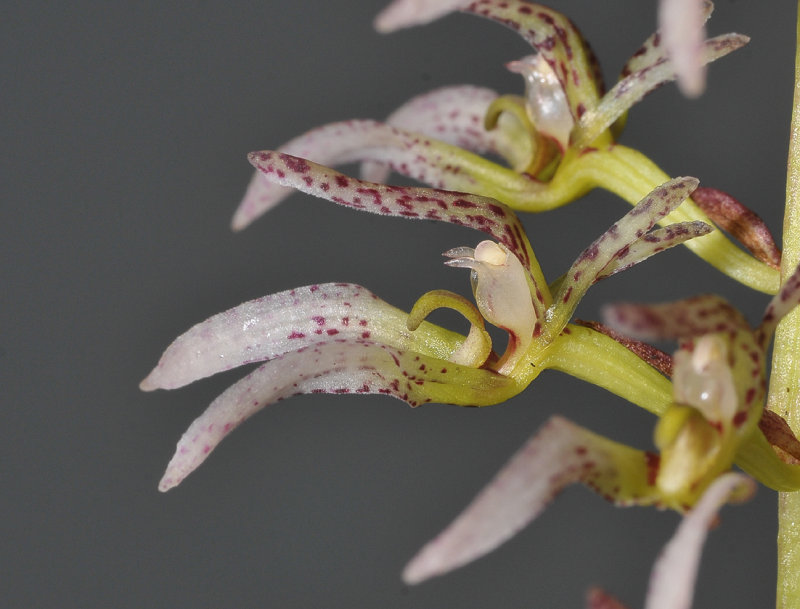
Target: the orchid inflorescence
(559, 141)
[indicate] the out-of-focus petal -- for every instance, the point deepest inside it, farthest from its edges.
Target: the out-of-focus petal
(406, 13)
(674, 320)
(455, 115)
(636, 85)
(681, 26)
(267, 327)
(613, 246)
(674, 574)
(483, 214)
(560, 454)
(335, 366)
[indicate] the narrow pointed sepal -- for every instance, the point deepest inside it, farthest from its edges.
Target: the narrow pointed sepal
(268, 327)
(336, 367)
(673, 577)
(481, 213)
(560, 454)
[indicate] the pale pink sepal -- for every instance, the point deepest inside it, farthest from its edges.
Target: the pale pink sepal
(406, 13)
(681, 26)
(332, 144)
(673, 577)
(560, 454)
(267, 327)
(334, 366)
(455, 115)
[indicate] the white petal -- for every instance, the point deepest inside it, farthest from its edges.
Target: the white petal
(674, 574)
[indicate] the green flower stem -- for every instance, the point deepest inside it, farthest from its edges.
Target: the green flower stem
(627, 173)
(631, 175)
(784, 391)
(594, 357)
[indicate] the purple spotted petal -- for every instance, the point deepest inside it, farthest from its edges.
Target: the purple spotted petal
(681, 25)
(781, 304)
(695, 316)
(406, 13)
(411, 154)
(480, 213)
(557, 39)
(558, 455)
(654, 242)
(613, 247)
(674, 574)
(635, 86)
(288, 321)
(336, 366)
(454, 115)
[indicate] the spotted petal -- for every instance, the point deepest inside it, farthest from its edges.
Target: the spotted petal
(334, 366)
(674, 574)
(612, 250)
(480, 213)
(411, 154)
(289, 321)
(694, 316)
(455, 115)
(654, 242)
(636, 85)
(558, 455)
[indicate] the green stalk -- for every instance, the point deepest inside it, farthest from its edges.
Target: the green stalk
(784, 394)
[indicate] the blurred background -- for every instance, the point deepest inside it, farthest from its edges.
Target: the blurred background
(125, 128)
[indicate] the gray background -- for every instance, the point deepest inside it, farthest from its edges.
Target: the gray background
(124, 131)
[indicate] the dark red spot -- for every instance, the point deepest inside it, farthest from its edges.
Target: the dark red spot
(653, 463)
(739, 418)
(296, 164)
(296, 334)
(319, 319)
(365, 335)
(342, 181)
(332, 331)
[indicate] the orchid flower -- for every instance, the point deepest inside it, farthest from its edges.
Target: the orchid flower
(680, 23)
(716, 417)
(559, 141)
(340, 338)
